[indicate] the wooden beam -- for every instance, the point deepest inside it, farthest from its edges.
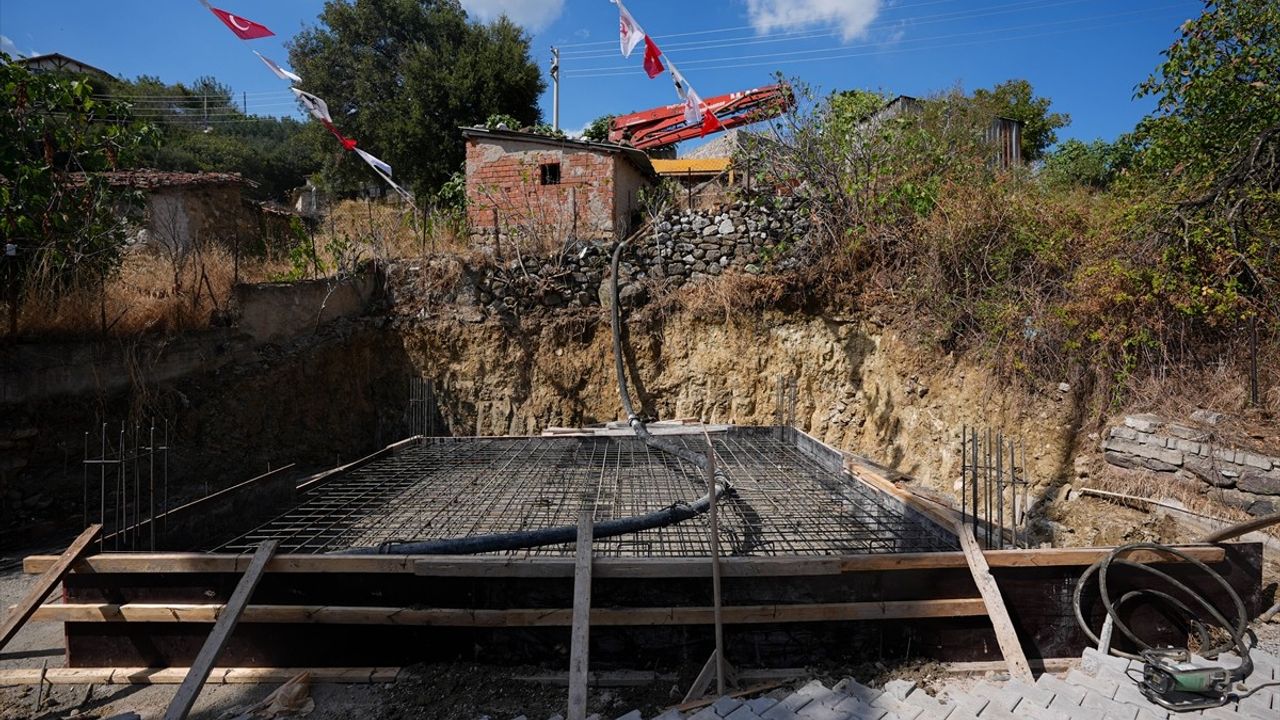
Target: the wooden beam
(174, 676)
(580, 634)
(611, 568)
(44, 585)
(187, 693)
(700, 684)
(1006, 635)
(520, 617)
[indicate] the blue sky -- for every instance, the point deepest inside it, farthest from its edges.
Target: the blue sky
(1085, 54)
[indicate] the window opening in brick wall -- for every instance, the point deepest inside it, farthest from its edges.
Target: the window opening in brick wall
(550, 173)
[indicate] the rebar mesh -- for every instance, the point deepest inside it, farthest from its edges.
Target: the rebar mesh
(784, 502)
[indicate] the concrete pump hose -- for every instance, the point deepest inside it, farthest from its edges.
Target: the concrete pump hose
(1236, 630)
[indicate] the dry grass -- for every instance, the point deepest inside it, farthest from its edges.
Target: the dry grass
(1194, 496)
(731, 297)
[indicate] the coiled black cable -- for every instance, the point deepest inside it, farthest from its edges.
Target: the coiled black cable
(1237, 630)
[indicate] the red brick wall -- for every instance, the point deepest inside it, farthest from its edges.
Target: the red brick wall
(505, 175)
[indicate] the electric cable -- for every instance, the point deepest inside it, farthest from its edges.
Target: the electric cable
(1236, 629)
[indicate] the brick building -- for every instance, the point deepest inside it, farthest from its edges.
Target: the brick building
(549, 188)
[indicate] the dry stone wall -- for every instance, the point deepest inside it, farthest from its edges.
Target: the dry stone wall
(1248, 480)
(683, 247)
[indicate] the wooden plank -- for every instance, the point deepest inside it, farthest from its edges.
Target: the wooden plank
(45, 584)
(174, 676)
(715, 568)
(611, 568)
(700, 684)
(520, 617)
(580, 634)
(187, 693)
(1006, 636)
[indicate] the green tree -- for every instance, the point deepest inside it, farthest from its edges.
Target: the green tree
(1094, 164)
(202, 128)
(598, 130)
(401, 76)
(62, 225)
(1211, 163)
(1016, 100)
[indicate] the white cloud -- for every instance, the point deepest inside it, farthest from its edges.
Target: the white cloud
(7, 46)
(533, 15)
(850, 17)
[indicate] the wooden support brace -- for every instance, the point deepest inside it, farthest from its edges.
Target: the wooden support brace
(1006, 635)
(187, 693)
(580, 634)
(45, 584)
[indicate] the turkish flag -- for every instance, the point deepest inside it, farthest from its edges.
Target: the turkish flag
(244, 29)
(710, 123)
(652, 65)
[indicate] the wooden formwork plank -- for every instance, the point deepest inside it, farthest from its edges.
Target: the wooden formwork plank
(533, 617)
(1006, 635)
(187, 693)
(580, 635)
(174, 676)
(602, 568)
(44, 585)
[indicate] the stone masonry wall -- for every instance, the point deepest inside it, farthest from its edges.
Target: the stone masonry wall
(683, 247)
(1246, 479)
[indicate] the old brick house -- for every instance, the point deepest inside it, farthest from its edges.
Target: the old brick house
(551, 189)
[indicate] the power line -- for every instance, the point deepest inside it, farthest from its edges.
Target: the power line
(730, 29)
(839, 53)
(804, 34)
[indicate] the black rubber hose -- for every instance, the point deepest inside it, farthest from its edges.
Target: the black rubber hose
(1236, 630)
(670, 515)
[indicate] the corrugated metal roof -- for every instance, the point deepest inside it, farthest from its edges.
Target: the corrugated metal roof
(682, 166)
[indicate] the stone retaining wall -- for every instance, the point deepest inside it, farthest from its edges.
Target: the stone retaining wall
(1248, 480)
(684, 247)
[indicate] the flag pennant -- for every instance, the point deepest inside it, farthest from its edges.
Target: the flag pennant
(279, 71)
(243, 28)
(629, 32)
(652, 63)
(710, 123)
(347, 142)
(317, 107)
(374, 162)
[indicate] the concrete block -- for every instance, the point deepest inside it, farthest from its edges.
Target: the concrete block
(999, 698)
(1065, 695)
(761, 705)
(1100, 685)
(820, 711)
(1190, 447)
(1040, 696)
(1226, 455)
(1262, 462)
(1096, 664)
(1160, 453)
(853, 688)
(705, 713)
(1123, 433)
(1118, 711)
(742, 713)
(1185, 432)
(932, 706)
(726, 705)
(899, 689)
(787, 707)
(1145, 422)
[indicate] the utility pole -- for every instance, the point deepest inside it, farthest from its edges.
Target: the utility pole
(555, 88)
(244, 97)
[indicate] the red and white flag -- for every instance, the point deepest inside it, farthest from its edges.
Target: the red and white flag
(279, 71)
(347, 142)
(629, 32)
(243, 28)
(317, 107)
(652, 63)
(696, 112)
(374, 162)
